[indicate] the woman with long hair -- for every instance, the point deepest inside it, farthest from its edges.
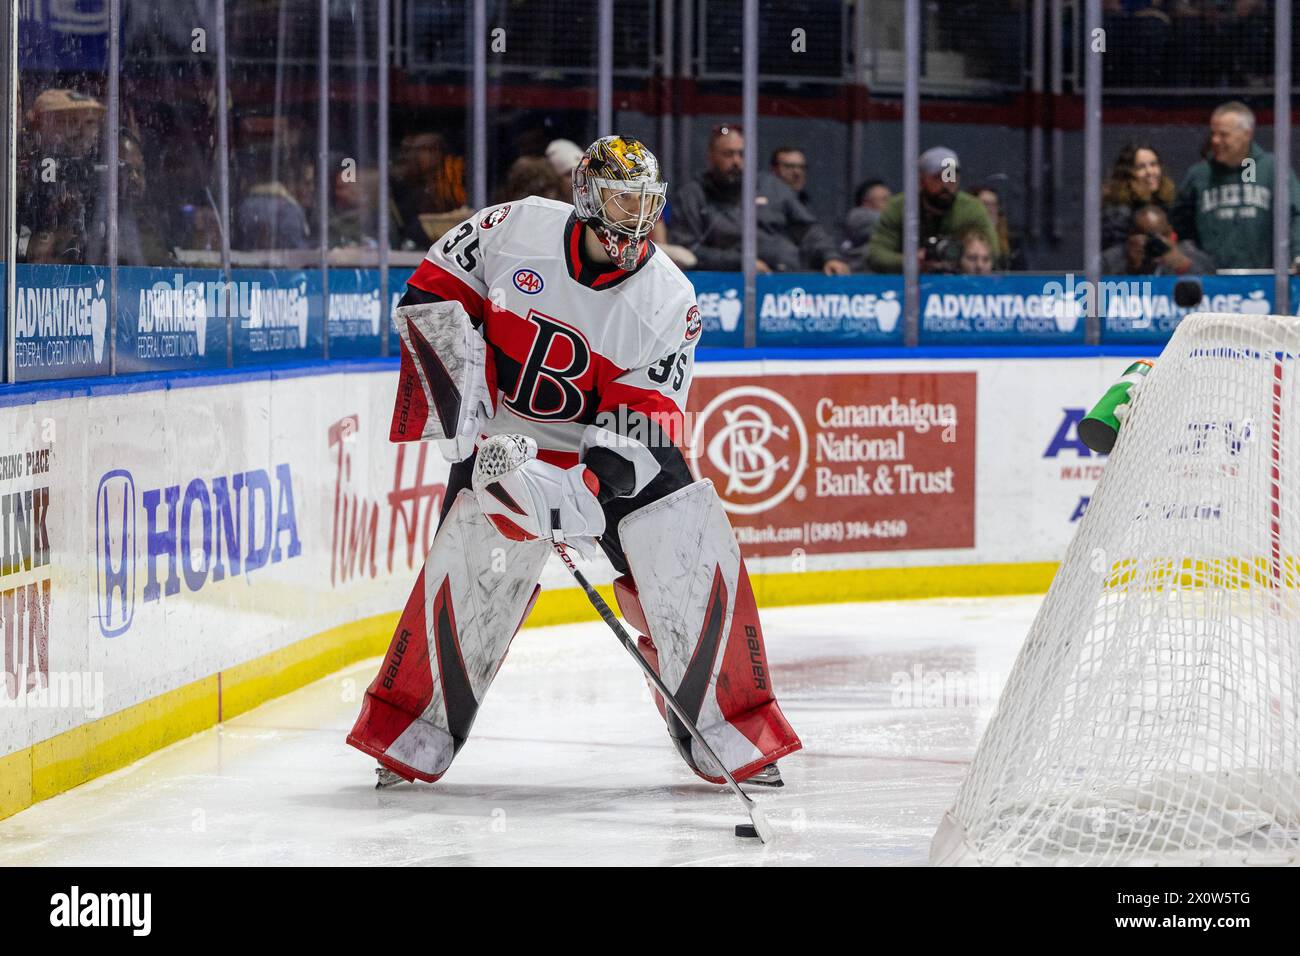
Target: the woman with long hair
(1137, 179)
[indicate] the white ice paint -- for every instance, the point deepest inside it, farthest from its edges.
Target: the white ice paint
(568, 763)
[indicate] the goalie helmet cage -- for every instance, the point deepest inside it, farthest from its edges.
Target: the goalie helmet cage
(1151, 715)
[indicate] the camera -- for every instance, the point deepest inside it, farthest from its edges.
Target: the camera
(1155, 248)
(942, 250)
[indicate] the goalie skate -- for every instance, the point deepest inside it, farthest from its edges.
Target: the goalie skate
(385, 778)
(769, 776)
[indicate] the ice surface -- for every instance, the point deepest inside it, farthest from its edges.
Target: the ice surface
(569, 762)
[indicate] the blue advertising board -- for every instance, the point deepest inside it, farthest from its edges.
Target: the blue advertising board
(280, 317)
(721, 298)
(357, 318)
(999, 310)
(1138, 310)
(168, 319)
(171, 319)
(801, 309)
(60, 321)
(71, 36)
(395, 294)
(1293, 286)
(820, 310)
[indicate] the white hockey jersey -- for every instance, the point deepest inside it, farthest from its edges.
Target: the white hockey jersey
(582, 353)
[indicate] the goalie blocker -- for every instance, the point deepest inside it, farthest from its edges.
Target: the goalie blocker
(686, 593)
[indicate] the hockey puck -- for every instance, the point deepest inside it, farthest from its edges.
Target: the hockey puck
(746, 830)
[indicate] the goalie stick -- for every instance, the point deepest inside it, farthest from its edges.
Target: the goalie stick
(761, 827)
(502, 453)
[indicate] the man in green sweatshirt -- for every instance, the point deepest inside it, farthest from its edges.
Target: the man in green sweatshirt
(946, 212)
(1225, 204)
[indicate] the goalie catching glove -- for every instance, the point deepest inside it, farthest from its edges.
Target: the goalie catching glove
(527, 499)
(450, 358)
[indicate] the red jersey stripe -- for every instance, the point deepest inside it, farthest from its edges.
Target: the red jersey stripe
(656, 406)
(434, 279)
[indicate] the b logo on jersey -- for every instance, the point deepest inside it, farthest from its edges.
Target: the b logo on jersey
(693, 325)
(528, 282)
(546, 390)
(495, 217)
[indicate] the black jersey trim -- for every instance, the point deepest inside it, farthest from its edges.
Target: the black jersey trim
(593, 274)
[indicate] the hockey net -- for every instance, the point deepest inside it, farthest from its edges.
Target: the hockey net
(1151, 716)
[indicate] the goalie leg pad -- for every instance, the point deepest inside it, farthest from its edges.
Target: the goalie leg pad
(468, 603)
(691, 600)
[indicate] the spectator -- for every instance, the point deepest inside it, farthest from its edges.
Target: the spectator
(682, 257)
(1152, 248)
(1225, 203)
(273, 213)
(202, 227)
(352, 205)
(873, 194)
(868, 200)
(1137, 179)
(534, 176)
(945, 210)
(428, 180)
(61, 175)
(564, 156)
(139, 236)
(1012, 256)
(791, 167)
(707, 217)
(976, 252)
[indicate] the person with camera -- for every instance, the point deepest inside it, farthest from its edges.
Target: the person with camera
(62, 174)
(946, 212)
(1137, 179)
(1153, 248)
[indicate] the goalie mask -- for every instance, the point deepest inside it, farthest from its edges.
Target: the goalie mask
(619, 191)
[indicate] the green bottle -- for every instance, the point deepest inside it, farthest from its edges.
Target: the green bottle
(1099, 428)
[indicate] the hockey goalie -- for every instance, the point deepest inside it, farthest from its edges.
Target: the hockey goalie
(564, 326)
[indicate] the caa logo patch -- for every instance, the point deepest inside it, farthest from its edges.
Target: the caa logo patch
(528, 282)
(693, 324)
(495, 217)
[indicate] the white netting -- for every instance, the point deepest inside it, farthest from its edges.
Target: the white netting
(1152, 713)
